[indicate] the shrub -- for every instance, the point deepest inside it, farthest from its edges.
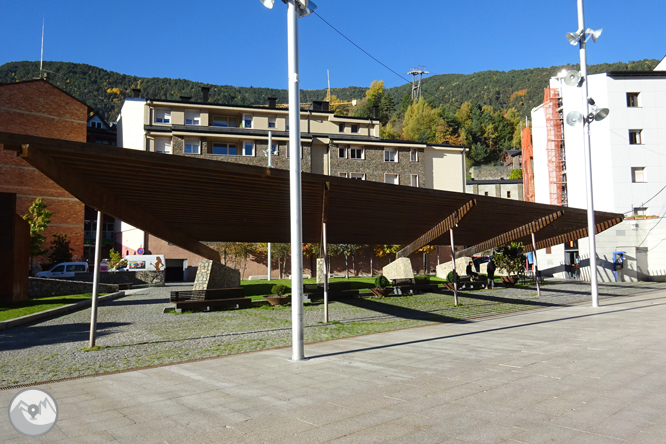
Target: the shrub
(381, 282)
(449, 277)
(516, 174)
(280, 289)
(510, 258)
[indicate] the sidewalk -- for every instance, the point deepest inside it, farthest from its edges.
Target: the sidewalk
(566, 374)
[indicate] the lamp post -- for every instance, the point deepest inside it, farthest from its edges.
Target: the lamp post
(580, 37)
(295, 9)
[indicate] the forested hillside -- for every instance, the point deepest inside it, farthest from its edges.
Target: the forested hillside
(483, 110)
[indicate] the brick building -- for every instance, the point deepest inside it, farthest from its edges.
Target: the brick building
(36, 107)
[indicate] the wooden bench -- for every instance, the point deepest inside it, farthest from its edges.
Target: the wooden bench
(210, 299)
(206, 295)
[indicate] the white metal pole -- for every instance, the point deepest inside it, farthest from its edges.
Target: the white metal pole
(536, 266)
(455, 273)
(298, 353)
(588, 161)
(325, 249)
(98, 256)
(270, 165)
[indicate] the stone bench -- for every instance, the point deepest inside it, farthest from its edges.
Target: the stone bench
(214, 304)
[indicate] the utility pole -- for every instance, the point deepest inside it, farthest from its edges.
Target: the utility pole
(416, 88)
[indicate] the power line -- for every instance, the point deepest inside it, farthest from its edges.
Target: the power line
(363, 50)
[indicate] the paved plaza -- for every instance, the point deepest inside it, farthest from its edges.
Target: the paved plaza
(569, 374)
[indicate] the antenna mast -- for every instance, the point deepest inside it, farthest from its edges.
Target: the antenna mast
(416, 88)
(41, 57)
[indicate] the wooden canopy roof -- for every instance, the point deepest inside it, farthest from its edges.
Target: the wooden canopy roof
(186, 200)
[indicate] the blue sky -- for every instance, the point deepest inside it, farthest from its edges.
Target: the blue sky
(241, 43)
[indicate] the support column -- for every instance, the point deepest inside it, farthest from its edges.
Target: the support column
(536, 267)
(98, 256)
(455, 273)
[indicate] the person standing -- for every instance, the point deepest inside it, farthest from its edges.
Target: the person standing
(490, 270)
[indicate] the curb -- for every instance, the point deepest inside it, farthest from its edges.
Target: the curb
(58, 311)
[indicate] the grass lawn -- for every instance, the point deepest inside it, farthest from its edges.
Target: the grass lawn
(18, 309)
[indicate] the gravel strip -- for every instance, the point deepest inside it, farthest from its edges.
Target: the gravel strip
(134, 332)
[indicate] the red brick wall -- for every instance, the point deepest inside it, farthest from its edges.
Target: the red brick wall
(38, 108)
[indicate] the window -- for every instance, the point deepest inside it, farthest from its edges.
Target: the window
(225, 149)
(359, 176)
(415, 180)
(485, 193)
(354, 128)
(632, 100)
(508, 194)
(391, 178)
(58, 269)
(341, 127)
(276, 149)
(635, 137)
(192, 146)
(271, 122)
(640, 211)
(163, 145)
(342, 152)
(413, 155)
(342, 175)
(638, 174)
(248, 149)
(162, 116)
(224, 121)
(247, 120)
(286, 123)
(192, 117)
(390, 154)
(76, 267)
(356, 153)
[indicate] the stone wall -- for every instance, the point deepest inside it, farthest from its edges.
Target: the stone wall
(375, 167)
(125, 277)
(42, 287)
(213, 275)
(490, 172)
(400, 268)
(259, 159)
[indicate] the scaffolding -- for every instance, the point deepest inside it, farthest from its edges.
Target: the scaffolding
(557, 179)
(527, 163)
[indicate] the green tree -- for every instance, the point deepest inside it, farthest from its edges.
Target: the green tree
(347, 250)
(116, 260)
(509, 257)
(60, 251)
(421, 122)
(516, 174)
(39, 218)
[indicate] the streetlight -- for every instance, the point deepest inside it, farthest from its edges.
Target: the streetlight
(581, 37)
(295, 9)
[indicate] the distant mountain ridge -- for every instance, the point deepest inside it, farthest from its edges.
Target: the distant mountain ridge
(105, 90)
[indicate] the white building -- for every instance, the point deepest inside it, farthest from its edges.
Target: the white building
(628, 169)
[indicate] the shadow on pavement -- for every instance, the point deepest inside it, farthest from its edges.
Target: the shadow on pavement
(36, 335)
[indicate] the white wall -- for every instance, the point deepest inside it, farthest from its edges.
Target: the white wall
(130, 125)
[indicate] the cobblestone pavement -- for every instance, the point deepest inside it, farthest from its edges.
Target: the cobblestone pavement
(135, 333)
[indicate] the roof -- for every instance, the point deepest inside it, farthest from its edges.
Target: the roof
(493, 181)
(90, 108)
(635, 74)
(186, 199)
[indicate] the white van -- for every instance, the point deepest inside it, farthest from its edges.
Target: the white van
(69, 270)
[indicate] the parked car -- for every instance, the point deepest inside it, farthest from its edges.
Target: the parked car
(69, 270)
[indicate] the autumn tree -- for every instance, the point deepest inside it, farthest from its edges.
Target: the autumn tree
(421, 123)
(38, 218)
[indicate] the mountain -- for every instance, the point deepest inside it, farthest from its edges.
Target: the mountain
(104, 90)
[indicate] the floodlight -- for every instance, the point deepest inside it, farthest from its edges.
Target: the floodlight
(572, 78)
(268, 3)
(573, 37)
(574, 118)
(601, 114)
(307, 8)
(594, 34)
(562, 74)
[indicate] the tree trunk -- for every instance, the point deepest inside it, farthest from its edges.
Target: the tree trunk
(347, 266)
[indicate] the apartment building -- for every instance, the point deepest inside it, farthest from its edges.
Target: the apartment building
(332, 145)
(628, 151)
